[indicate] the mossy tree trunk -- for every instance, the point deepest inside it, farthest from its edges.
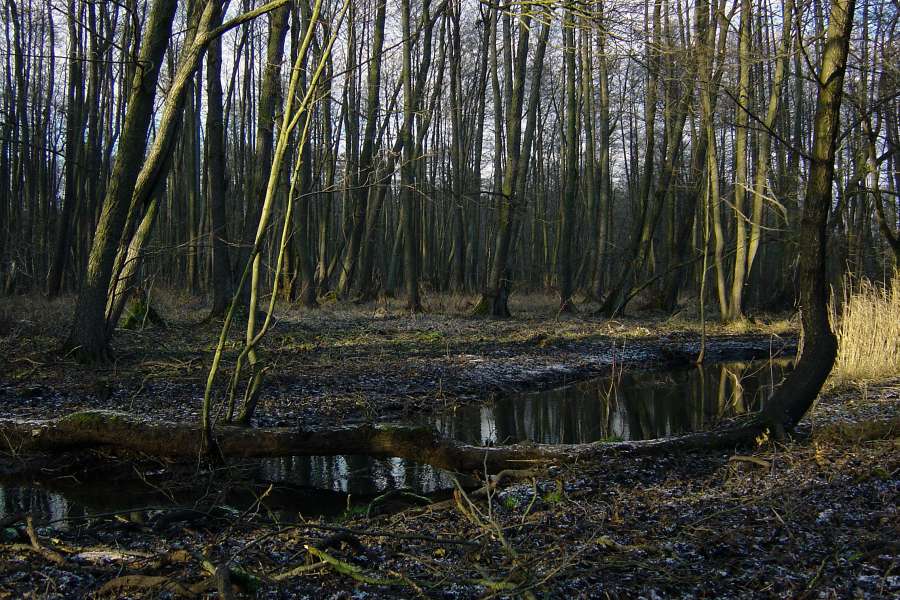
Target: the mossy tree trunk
(88, 334)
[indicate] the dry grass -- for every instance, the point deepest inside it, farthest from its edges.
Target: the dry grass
(867, 325)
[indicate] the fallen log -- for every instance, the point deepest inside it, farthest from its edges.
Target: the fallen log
(122, 431)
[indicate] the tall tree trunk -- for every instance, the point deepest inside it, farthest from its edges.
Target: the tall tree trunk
(734, 310)
(74, 133)
(366, 168)
(794, 397)
(640, 243)
(570, 184)
(407, 173)
(265, 131)
(764, 142)
(457, 153)
(494, 299)
(222, 286)
(604, 183)
(88, 336)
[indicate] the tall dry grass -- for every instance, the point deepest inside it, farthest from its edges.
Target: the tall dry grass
(867, 325)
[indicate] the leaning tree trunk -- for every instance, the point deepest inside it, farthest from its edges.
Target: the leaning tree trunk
(88, 334)
(794, 397)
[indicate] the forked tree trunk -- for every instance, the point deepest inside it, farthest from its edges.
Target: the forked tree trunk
(88, 336)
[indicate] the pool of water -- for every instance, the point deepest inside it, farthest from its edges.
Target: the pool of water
(626, 406)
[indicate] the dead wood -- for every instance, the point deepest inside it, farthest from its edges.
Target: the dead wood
(120, 585)
(126, 432)
(48, 553)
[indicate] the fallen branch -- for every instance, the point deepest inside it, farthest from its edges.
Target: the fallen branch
(352, 571)
(299, 571)
(122, 431)
(750, 459)
(143, 582)
(403, 494)
(236, 575)
(49, 554)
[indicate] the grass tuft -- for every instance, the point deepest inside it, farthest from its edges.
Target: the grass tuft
(867, 325)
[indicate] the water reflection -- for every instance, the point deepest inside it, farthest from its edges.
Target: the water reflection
(633, 406)
(355, 475)
(286, 487)
(48, 506)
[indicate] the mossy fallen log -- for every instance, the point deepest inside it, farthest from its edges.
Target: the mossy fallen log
(121, 431)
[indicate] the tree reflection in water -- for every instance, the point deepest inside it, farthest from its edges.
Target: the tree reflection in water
(633, 407)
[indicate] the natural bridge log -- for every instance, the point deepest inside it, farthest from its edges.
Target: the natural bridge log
(122, 431)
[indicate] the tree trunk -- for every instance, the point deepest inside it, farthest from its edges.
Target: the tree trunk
(795, 396)
(494, 299)
(216, 182)
(570, 184)
(74, 133)
(88, 337)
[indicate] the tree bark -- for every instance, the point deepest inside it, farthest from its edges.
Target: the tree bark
(88, 336)
(795, 396)
(125, 432)
(222, 286)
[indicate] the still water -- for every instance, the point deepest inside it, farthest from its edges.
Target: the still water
(631, 406)
(627, 406)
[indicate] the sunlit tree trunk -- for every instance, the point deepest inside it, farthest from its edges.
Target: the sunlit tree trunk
(88, 335)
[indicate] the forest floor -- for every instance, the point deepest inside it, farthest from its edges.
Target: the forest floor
(816, 516)
(344, 362)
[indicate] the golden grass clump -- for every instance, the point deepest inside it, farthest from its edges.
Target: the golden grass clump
(867, 325)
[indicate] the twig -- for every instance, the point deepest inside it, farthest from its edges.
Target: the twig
(299, 571)
(51, 555)
(750, 459)
(345, 568)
